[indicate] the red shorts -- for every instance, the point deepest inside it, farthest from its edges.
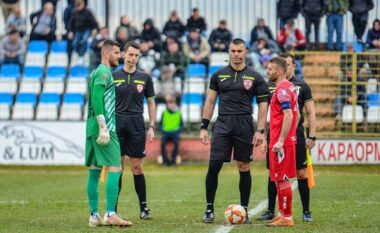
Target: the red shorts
(283, 165)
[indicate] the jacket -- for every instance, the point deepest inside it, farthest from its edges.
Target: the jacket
(360, 6)
(336, 6)
(312, 8)
(220, 36)
(287, 9)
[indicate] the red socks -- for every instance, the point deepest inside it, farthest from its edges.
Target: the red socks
(284, 191)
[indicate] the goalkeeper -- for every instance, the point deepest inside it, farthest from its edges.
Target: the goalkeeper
(102, 145)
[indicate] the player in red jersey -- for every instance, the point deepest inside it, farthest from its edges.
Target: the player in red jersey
(283, 122)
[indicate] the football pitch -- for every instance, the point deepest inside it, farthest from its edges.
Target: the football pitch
(53, 199)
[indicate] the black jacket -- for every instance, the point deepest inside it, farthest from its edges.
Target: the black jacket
(53, 22)
(360, 6)
(152, 35)
(287, 9)
(174, 29)
(255, 37)
(82, 21)
(220, 36)
(312, 8)
(200, 24)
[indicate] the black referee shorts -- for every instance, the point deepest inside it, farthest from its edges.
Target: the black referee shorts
(232, 132)
(131, 133)
(301, 162)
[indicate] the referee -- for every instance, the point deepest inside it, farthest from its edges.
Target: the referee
(132, 86)
(236, 85)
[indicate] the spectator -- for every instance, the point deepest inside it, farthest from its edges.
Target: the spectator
(54, 2)
(220, 38)
(148, 61)
(168, 40)
(196, 21)
(96, 46)
(359, 10)
(171, 126)
(167, 85)
(12, 49)
(68, 12)
(346, 97)
(7, 6)
(44, 24)
(335, 11)
(373, 35)
(81, 24)
(196, 48)
(312, 10)
(132, 33)
(151, 35)
(16, 22)
(286, 10)
(174, 26)
(122, 37)
(291, 37)
(263, 47)
(175, 59)
(260, 31)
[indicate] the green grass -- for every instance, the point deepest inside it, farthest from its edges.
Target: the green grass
(53, 199)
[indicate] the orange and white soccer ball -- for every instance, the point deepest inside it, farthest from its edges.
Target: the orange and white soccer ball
(235, 214)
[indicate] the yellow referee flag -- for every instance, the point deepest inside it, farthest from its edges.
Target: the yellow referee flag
(103, 174)
(310, 171)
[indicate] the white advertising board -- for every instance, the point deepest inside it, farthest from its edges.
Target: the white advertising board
(42, 143)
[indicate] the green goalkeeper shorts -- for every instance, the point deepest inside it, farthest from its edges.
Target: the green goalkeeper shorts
(98, 155)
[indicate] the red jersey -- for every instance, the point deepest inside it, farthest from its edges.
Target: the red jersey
(284, 97)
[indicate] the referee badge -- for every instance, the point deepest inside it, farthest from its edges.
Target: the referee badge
(247, 84)
(139, 88)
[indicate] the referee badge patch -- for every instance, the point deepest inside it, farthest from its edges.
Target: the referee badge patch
(247, 84)
(139, 88)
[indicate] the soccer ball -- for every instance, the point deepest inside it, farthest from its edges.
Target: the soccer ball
(235, 214)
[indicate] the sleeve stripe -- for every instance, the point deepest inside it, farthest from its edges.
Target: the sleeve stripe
(309, 100)
(261, 96)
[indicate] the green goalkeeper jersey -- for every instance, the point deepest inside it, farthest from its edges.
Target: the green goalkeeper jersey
(101, 76)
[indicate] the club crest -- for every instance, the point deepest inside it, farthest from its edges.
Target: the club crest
(247, 84)
(139, 88)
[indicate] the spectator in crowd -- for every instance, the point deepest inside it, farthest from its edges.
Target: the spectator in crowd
(54, 2)
(171, 126)
(81, 25)
(16, 22)
(220, 38)
(196, 21)
(44, 24)
(7, 6)
(68, 12)
(312, 10)
(174, 58)
(174, 26)
(12, 49)
(335, 9)
(291, 37)
(196, 48)
(151, 35)
(359, 10)
(345, 95)
(263, 47)
(122, 37)
(148, 61)
(96, 47)
(373, 35)
(167, 85)
(260, 31)
(168, 40)
(132, 33)
(286, 10)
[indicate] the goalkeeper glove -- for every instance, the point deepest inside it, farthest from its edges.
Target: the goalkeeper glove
(104, 135)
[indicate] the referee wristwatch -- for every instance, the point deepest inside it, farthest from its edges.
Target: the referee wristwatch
(262, 131)
(312, 138)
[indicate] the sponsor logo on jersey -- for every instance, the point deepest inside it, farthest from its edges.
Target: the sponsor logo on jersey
(224, 76)
(139, 88)
(247, 84)
(246, 77)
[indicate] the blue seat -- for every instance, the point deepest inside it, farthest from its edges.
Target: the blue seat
(192, 98)
(196, 70)
(10, 70)
(213, 69)
(73, 98)
(374, 99)
(6, 98)
(27, 98)
(59, 46)
(49, 98)
(56, 72)
(38, 46)
(79, 71)
(33, 72)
